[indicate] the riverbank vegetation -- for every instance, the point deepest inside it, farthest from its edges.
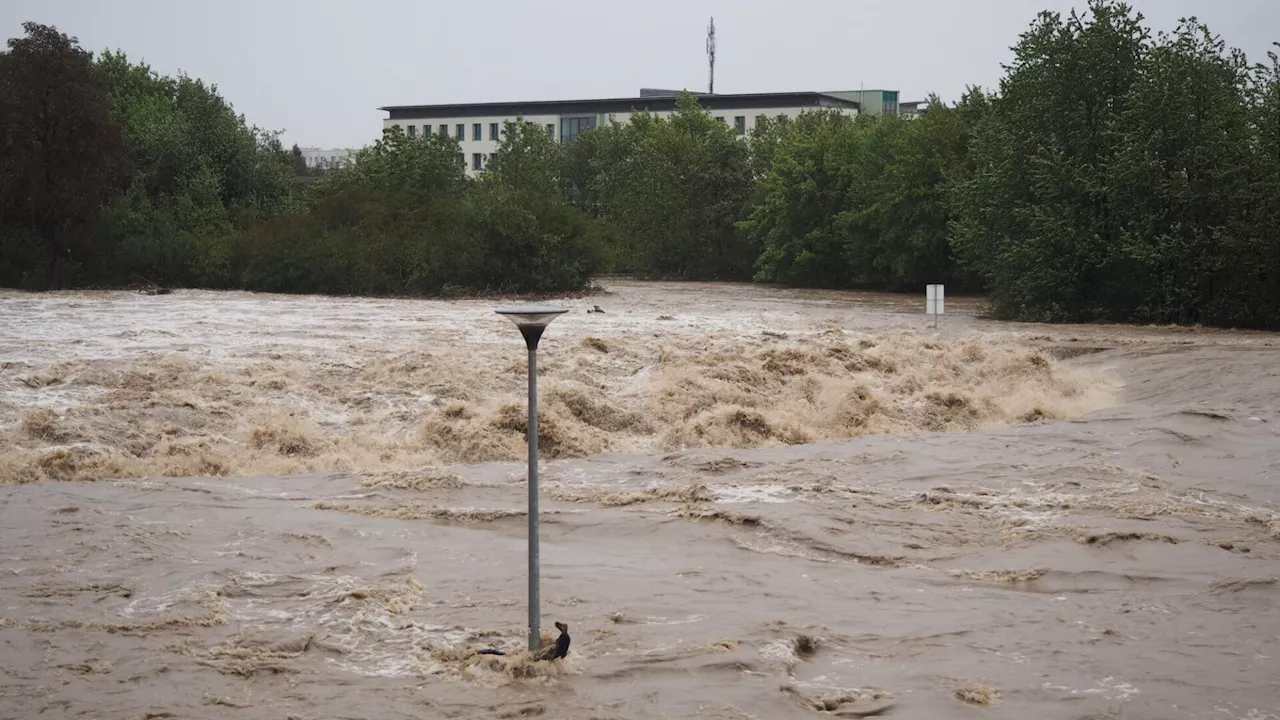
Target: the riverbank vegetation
(1114, 174)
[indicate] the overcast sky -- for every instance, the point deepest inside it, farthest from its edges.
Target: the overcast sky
(319, 69)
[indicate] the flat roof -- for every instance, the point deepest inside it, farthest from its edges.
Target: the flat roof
(739, 101)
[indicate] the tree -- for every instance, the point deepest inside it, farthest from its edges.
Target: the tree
(807, 184)
(199, 173)
(764, 139)
(672, 188)
(1256, 267)
(297, 162)
(523, 233)
(61, 155)
(895, 231)
(1038, 218)
(527, 159)
(1183, 173)
(1123, 178)
(397, 163)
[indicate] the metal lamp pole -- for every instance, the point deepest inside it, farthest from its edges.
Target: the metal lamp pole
(532, 321)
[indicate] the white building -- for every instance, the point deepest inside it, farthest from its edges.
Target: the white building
(478, 126)
(324, 159)
(913, 110)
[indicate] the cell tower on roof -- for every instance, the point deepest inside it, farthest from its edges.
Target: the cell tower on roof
(711, 55)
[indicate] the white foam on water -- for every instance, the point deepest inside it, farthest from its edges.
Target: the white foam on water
(738, 494)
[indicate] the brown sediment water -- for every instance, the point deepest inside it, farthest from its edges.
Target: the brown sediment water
(757, 503)
(109, 386)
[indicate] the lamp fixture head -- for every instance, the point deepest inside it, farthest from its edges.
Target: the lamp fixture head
(532, 320)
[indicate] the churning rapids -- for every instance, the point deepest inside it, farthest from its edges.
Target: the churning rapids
(757, 503)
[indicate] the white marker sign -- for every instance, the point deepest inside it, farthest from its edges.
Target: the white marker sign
(934, 302)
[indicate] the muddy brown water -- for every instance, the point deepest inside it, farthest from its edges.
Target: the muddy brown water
(757, 503)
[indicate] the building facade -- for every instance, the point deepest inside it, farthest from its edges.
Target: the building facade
(871, 102)
(913, 110)
(325, 159)
(478, 126)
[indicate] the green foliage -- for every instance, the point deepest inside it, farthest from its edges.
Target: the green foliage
(1183, 163)
(297, 162)
(806, 187)
(765, 137)
(210, 201)
(523, 228)
(402, 218)
(1254, 265)
(61, 155)
(200, 174)
(1045, 159)
(1114, 176)
(858, 202)
(397, 164)
(1119, 177)
(24, 259)
(671, 188)
(895, 233)
(527, 161)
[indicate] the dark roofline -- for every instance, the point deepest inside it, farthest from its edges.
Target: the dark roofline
(606, 106)
(663, 92)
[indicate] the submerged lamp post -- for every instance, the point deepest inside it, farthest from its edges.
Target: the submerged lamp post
(532, 321)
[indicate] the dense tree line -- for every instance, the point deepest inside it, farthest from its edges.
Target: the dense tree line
(1112, 175)
(859, 201)
(670, 189)
(403, 218)
(61, 155)
(112, 175)
(1124, 177)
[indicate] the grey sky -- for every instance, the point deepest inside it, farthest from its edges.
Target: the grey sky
(319, 69)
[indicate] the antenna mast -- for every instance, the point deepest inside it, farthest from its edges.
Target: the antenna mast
(711, 54)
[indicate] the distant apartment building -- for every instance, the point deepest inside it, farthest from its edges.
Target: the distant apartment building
(322, 159)
(478, 126)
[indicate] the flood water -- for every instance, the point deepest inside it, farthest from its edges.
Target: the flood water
(756, 503)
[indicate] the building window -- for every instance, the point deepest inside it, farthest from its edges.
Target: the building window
(720, 119)
(889, 103)
(493, 132)
(551, 130)
(413, 131)
(572, 127)
(461, 131)
(759, 119)
(740, 124)
(477, 161)
(462, 159)
(475, 131)
(493, 156)
(444, 130)
(426, 131)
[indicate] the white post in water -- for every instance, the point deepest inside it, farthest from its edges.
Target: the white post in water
(933, 302)
(532, 321)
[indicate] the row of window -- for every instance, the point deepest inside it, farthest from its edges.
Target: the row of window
(571, 128)
(740, 122)
(321, 161)
(460, 130)
(477, 160)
